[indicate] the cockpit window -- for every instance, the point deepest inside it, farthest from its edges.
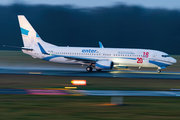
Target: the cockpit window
(165, 56)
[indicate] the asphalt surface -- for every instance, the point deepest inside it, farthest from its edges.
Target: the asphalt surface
(82, 72)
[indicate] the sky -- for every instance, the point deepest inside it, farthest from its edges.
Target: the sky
(168, 4)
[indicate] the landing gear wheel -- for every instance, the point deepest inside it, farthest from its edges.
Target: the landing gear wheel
(89, 69)
(158, 70)
(99, 70)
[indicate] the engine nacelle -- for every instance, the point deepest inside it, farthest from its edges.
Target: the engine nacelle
(104, 65)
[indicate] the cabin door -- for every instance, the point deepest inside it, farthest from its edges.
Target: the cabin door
(154, 57)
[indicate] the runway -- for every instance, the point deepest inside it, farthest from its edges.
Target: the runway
(81, 72)
(129, 93)
(91, 92)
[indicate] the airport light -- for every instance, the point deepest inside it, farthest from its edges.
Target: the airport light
(78, 82)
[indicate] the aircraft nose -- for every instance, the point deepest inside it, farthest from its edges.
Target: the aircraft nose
(173, 60)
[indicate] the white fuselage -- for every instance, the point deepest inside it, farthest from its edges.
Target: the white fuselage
(119, 56)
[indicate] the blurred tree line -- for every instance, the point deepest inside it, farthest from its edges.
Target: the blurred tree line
(117, 26)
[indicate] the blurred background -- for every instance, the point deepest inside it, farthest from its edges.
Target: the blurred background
(148, 24)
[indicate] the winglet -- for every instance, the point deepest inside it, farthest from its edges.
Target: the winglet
(42, 49)
(101, 45)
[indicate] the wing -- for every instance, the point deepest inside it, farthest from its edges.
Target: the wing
(82, 59)
(101, 45)
(85, 60)
(76, 58)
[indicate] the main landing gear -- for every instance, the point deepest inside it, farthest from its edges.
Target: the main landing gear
(159, 70)
(89, 69)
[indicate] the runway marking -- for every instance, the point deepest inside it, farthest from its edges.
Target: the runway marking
(70, 87)
(144, 72)
(53, 88)
(107, 104)
(176, 89)
(123, 69)
(34, 72)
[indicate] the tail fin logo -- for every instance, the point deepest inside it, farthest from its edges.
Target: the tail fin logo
(24, 31)
(37, 35)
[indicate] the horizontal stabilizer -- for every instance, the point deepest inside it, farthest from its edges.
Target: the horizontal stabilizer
(26, 48)
(18, 47)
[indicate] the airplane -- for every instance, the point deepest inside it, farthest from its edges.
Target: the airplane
(94, 58)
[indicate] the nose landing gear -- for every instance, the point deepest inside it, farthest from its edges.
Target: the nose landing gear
(159, 70)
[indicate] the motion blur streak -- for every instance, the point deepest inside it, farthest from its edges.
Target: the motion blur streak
(78, 82)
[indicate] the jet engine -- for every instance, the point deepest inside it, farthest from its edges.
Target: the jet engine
(104, 65)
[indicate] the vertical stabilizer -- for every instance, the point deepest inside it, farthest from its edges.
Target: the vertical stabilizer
(29, 35)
